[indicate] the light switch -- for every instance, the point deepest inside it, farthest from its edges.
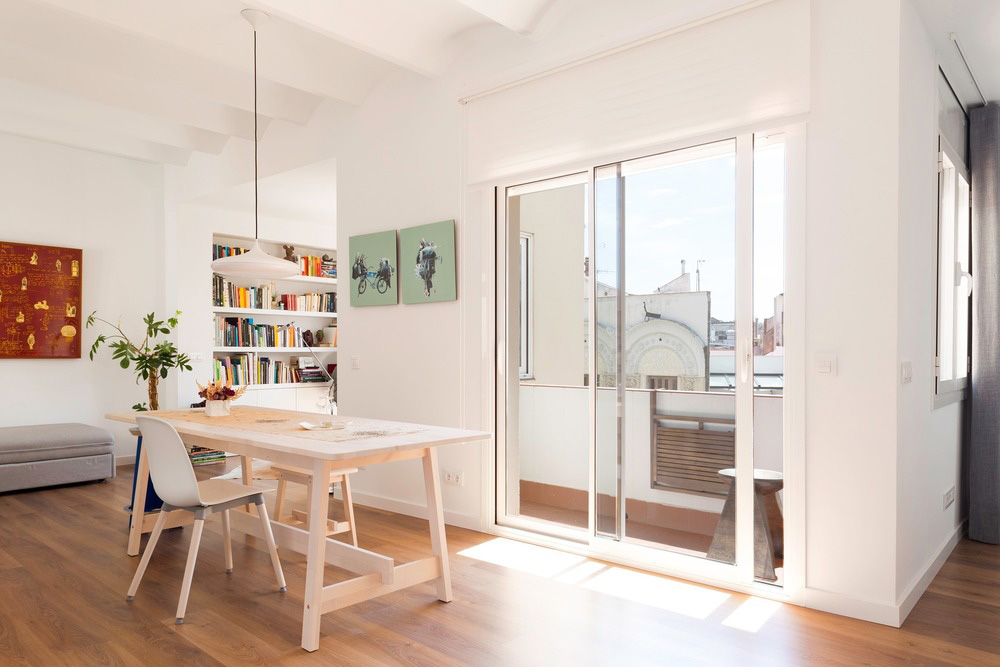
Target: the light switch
(826, 364)
(905, 372)
(355, 362)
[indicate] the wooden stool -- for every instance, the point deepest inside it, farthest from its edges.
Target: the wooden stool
(288, 473)
(768, 524)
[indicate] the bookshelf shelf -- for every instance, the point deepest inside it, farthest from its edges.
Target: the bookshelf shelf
(285, 385)
(293, 350)
(272, 311)
(308, 280)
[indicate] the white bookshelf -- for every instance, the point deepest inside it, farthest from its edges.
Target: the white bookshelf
(273, 312)
(293, 395)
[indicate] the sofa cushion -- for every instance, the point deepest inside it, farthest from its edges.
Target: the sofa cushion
(46, 442)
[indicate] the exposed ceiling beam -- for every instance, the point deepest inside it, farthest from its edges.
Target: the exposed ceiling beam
(88, 138)
(45, 103)
(520, 16)
(193, 43)
(418, 36)
(147, 97)
(66, 36)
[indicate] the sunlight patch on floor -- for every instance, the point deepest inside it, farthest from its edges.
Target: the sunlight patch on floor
(752, 614)
(524, 557)
(649, 589)
(655, 591)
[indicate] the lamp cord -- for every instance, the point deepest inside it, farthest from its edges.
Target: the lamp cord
(256, 206)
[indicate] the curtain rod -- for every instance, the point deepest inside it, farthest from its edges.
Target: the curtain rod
(954, 38)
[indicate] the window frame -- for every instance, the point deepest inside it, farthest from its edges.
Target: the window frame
(952, 171)
(526, 246)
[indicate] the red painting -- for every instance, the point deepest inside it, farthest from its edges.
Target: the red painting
(40, 309)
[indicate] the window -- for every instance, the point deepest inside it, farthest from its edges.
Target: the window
(954, 280)
(524, 365)
(668, 382)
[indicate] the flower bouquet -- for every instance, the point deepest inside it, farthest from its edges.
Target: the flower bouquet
(217, 397)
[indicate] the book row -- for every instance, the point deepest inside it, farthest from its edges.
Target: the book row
(244, 332)
(226, 294)
(250, 368)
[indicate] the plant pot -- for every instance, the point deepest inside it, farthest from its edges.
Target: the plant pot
(217, 408)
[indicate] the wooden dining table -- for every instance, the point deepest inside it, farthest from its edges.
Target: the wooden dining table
(276, 435)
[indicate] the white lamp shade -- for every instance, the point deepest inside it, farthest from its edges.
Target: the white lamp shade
(255, 264)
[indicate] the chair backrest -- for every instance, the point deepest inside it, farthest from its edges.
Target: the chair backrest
(169, 465)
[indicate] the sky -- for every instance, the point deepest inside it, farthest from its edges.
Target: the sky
(687, 211)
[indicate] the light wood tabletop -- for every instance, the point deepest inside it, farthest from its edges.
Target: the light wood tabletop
(275, 435)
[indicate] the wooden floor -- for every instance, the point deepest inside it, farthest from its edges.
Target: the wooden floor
(63, 576)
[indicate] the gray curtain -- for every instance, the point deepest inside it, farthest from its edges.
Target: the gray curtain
(983, 454)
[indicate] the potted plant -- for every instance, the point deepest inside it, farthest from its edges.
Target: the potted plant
(217, 397)
(149, 359)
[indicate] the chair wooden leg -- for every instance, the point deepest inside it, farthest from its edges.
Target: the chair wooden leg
(345, 489)
(227, 540)
(279, 500)
(272, 549)
(199, 525)
(147, 554)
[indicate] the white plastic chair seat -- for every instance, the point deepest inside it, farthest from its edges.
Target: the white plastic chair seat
(218, 491)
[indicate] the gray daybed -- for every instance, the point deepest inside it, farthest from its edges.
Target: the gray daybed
(49, 454)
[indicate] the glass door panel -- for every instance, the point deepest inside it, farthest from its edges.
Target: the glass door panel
(609, 394)
(547, 456)
(666, 320)
(769, 356)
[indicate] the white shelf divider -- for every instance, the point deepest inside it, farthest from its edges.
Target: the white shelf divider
(285, 385)
(292, 350)
(272, 311)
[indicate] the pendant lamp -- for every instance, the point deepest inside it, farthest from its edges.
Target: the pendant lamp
(255, 263)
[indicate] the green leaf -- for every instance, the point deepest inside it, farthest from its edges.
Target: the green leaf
(124, 363)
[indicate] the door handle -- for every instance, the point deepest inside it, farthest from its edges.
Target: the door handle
(747, 358)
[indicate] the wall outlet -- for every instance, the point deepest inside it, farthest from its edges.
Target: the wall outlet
(454, 478)
(355, 362)
(949, 497)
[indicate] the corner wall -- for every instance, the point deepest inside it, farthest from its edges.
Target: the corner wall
(929, 439)
(851, 287)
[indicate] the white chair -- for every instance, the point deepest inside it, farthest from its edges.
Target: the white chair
(173, 477)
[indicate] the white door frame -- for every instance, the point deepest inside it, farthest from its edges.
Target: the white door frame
(582, 542)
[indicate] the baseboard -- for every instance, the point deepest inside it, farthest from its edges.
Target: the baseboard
(913, 594)
(126, 460)
(892, 615)
(845, 605)
(469, 521)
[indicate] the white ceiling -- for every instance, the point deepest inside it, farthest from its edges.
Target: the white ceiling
(159, 80)
(977, 25)
(307, 193)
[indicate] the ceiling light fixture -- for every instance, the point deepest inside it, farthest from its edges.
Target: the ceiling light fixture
(255, 263)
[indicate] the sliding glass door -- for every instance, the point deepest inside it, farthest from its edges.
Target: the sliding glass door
(643, 378)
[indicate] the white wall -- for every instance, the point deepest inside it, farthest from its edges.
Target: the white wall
(928, 455)
(112, 208)
(851, 287)
(401, 165)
